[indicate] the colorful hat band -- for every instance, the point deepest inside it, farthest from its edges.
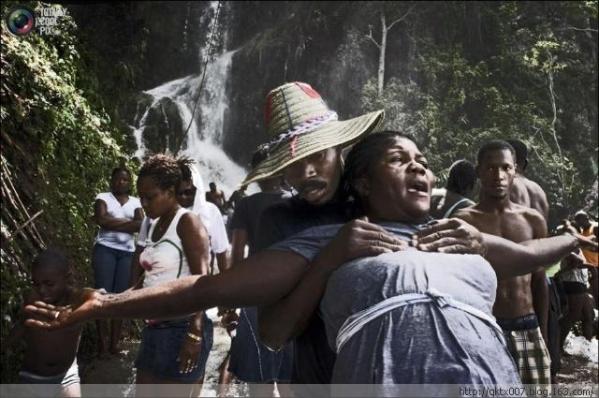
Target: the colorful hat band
(302, 128)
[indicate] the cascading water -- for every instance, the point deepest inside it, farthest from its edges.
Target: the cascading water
(204, 137)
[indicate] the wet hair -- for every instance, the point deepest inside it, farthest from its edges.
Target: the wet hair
(360, 158)
(51, 258)
(462, 177)
(164, 170)
(185, 166)
(118, 170)
(521, 152)
(494, 145)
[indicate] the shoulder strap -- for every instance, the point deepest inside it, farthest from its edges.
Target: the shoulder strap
(452, 208)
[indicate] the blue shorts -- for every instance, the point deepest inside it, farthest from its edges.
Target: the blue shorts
(253, 362)
(160, 346)
(112, 268)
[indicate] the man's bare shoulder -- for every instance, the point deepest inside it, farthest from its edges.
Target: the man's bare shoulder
(525, 211)
(519, 190)
(520, 181)
(533, 218)
(534, 188)
(468, 213)
(530, 184)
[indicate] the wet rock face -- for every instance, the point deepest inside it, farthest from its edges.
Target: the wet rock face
(164, 129)
(276, 42)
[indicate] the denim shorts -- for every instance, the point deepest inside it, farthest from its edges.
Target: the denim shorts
(253, 362)
(160, 346)
(112, 268)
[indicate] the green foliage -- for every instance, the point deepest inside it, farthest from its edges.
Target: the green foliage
(60, 145)
(535, 80)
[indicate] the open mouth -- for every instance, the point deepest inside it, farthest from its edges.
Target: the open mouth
(311, 191)
(418, 187)
(312, 188)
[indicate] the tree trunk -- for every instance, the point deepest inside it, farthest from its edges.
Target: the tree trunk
(382, 50)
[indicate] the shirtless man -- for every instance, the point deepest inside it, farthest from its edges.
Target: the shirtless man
(528, 193)
(496, 214)
(524, 191)
(217, 197)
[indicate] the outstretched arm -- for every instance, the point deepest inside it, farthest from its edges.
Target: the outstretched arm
(507, 258)
(259, 280)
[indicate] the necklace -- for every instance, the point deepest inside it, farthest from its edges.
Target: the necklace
(163, 223)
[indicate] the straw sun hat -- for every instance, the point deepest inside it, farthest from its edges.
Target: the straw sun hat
(300, 124)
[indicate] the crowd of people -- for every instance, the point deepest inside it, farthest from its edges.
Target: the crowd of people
(347, 267)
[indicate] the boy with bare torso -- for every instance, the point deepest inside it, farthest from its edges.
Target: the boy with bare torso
(496, 214)
(50, 356)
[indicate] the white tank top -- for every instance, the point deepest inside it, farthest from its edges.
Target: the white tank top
(164, 260)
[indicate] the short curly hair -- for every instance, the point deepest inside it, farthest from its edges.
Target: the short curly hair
(164, 170)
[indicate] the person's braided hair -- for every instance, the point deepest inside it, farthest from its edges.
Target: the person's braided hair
(185, 166)
(164, 170)
(360, 159)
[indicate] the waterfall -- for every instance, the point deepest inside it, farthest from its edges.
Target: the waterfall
(203, 141)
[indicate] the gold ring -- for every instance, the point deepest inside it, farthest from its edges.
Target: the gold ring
(56, 315)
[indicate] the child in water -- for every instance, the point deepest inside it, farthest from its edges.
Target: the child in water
(50, 356)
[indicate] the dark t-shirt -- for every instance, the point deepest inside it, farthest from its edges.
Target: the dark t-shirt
(236, 197)
(248, 213)
(294, 215)
(313, 358)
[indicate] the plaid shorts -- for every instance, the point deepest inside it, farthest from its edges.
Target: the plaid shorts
(531, 355)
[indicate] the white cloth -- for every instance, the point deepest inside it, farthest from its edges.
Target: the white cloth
(68, 378)
(215, 225)
(357, 321)
(580, 275)
(114, 239)
(210, 215)
(164, 260)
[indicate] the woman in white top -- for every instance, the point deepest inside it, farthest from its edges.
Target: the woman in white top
(119, 215)
(172, 350)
